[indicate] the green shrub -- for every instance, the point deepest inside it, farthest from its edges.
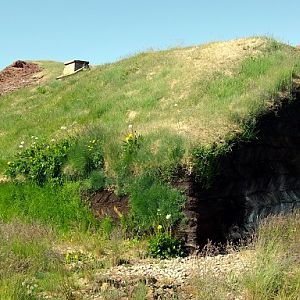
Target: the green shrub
(169, 171)
(125, 166)
(131, 144)
(40, 163)
(41, 90)
(96, 181)
(151, 201)
(84, 157)
(163, 245)
(206, 162)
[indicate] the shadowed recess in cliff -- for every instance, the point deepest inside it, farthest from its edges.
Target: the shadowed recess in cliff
(256, 178)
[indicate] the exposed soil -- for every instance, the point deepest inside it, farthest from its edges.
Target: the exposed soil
(107, 203)
(18, 75)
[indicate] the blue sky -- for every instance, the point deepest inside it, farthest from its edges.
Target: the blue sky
(105, 31)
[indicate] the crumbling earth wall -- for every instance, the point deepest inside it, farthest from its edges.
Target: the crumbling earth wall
(257, 178)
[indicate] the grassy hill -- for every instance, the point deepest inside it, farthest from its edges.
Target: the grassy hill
(186, 107)
(71, 138)
(183, 96)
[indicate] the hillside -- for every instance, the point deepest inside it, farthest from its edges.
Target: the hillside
(160, 155)
(185, 96)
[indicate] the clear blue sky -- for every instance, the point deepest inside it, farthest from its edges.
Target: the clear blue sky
(104, 31)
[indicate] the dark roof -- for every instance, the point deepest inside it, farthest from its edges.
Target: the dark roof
(76, 60)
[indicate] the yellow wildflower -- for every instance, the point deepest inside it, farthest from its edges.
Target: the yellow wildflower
(129, 137)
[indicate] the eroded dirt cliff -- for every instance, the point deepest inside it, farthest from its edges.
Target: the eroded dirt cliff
(256, 178)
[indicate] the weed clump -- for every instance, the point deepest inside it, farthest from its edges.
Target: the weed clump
(164, 245)
(151, 201)
(84, 157)
(41, 162)
(275, 269)
(206, 162)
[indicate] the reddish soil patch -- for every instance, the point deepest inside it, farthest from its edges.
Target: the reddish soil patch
(107, 203)
(18, 75)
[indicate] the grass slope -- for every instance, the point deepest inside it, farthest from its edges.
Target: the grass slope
(177, 100)
(184, 96)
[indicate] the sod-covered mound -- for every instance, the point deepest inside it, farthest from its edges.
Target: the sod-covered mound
(164, 120)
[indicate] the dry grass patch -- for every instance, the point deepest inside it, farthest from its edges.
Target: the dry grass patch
(274, 270)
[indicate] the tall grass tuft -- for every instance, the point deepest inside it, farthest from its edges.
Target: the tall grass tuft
(275, 271)
(28, 265)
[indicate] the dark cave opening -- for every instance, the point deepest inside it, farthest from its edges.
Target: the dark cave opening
(257, 178)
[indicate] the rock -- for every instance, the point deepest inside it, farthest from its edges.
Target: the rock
(19, 64)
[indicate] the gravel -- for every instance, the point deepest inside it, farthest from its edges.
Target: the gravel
(180, 270)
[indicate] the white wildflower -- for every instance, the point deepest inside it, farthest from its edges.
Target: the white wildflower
(63, 127)
(168, 216)
(22, 143)
(21, 146)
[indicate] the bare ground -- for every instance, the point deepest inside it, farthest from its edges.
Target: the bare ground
(18, 75)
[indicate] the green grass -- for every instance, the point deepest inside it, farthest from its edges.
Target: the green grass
(28, 264)
(39, 262)
(43, 261)
(51, 69)
(187, 97)
(162, 200)
(277, 270)
(59, 207)
(181, 101)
